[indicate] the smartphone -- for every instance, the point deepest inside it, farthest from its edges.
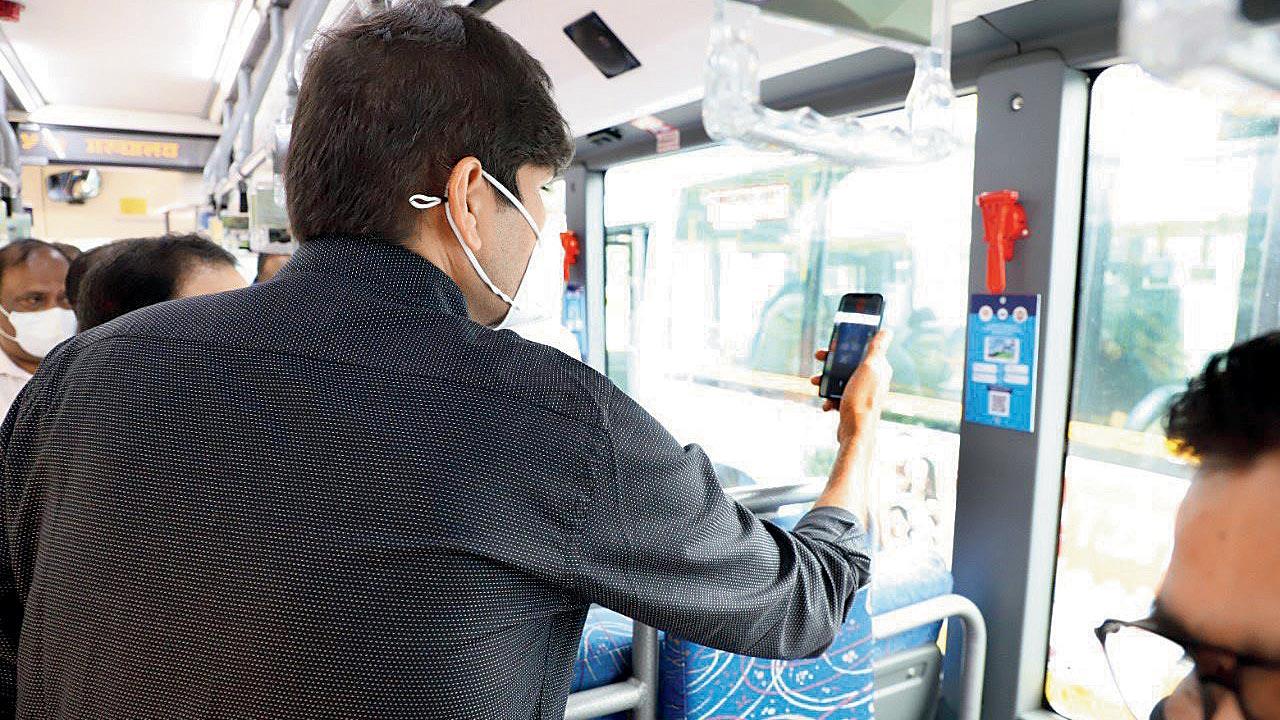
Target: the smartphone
(857, 321)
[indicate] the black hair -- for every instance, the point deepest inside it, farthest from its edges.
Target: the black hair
(1230, 413)
(80, 265)
(69, 251)
(18, 251)
(136, 273)
(391, 102)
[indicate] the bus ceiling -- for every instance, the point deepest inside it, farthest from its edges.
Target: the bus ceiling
(66, 66)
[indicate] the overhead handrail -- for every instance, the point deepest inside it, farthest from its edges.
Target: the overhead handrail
(732, 109)
(1213, 45)
(217, 167)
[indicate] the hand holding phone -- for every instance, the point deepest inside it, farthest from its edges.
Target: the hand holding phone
(863, 393)
(858, 319)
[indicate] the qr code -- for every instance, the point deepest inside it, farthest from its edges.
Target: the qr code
(998, 403)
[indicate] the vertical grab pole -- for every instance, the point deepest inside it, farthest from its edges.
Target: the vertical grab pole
(584, 208)
(1032, 116)
(644, 668)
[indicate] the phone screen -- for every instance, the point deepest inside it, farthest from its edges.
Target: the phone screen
(857, 321)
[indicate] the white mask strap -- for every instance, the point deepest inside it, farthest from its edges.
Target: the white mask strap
(426, 202)
(519, 205)
(8, 317)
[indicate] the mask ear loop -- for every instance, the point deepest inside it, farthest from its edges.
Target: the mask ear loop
(6, 335)
(426, 202)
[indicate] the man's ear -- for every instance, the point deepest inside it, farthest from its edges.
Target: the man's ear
(465, 190)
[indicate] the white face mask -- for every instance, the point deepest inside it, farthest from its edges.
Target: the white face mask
(39, 332)
(536, 300)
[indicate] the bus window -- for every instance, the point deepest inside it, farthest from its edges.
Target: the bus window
(724, 267)
(1176, 226)
(553, 200)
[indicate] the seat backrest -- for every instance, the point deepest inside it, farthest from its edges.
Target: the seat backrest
(700, 683)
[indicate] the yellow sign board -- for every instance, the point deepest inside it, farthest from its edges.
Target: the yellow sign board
(131, 149)
(133, 206)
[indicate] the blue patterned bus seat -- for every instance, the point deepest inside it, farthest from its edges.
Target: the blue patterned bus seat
(700, 683)
(903, 577)
(604, 654)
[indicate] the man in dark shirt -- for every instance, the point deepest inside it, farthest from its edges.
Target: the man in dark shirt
(341, 493)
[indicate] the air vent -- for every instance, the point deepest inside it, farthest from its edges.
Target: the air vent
(604, 137)
(601, 46)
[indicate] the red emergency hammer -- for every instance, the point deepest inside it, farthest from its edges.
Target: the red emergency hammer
(572, 247)
(1004, 222)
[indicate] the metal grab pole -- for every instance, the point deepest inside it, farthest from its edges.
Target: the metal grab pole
(644, 668)
(245, 133)
(605, 700)
(639, 693)
(11, 173)
(768, 498)
(247, 105)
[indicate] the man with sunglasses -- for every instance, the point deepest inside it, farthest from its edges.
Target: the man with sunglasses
(1211, 649)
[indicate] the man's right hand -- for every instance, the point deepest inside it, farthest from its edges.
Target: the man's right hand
(865, 394)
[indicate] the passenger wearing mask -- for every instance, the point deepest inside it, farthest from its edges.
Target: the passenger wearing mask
(1217, 614)
(34, 315)
(133, 274)
(349, 492)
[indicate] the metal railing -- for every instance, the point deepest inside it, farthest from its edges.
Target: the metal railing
(639, 693)
(974, 661)
(768, 498)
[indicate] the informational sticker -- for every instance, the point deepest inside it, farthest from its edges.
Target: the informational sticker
(667, 136)
(1000, 366)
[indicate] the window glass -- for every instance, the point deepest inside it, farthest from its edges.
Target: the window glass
(1178, 203)
(724, 267)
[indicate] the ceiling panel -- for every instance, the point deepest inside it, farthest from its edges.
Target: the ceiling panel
(669, 37)
(142, 55)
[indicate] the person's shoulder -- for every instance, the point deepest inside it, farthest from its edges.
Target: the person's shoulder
(176, 317)
(543, 375)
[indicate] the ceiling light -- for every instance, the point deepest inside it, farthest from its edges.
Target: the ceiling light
(16, 77)
(244, 25)
(237, 44)
(231, 40)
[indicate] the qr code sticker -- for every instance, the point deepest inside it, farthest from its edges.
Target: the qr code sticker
(998, 403)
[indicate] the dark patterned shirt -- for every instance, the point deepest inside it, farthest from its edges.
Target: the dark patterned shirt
(335, 496)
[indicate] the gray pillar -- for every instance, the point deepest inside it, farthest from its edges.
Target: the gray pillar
(584, 208)
(1010, 483)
